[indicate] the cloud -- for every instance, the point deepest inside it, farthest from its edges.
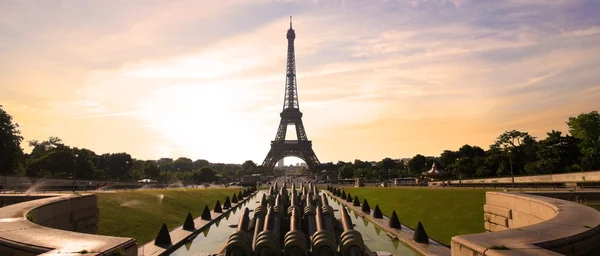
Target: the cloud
(398, 77)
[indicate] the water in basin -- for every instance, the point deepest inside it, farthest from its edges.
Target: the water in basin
(214, 237)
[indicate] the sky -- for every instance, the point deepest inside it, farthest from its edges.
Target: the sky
(376, 78)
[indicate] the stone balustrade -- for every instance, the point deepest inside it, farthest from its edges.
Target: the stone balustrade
(56, 224)
(523, 224)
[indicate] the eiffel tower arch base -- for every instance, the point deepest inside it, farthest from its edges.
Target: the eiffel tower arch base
(300, 149)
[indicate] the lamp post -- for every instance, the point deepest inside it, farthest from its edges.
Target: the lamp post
(459, 172)
(512, 176)
(74, 170)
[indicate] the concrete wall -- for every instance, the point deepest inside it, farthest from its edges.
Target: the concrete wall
(79, 214)
(523, 224)
(593, 176)
(45, 226)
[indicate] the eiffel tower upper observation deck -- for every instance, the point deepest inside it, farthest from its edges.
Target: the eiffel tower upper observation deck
(301, 147)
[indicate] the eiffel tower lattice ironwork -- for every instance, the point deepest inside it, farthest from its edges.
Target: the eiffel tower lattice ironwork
(301, 147)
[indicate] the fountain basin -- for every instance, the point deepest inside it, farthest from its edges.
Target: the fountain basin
(46, 225)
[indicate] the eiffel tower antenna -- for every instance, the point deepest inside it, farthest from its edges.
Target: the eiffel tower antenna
(301, 147)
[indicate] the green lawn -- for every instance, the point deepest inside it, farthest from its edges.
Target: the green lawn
(140, 214)
(443, 212)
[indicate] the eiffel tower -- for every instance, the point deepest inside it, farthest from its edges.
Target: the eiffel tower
(301, 147)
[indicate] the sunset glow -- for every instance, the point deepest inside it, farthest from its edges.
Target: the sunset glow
(205, 79)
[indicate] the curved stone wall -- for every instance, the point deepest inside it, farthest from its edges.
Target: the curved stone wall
(45, 226)
(523, 224)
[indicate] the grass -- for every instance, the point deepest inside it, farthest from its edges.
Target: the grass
(140, 214)
(444, 213)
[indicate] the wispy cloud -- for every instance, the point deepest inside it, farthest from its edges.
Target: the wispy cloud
(399, 77)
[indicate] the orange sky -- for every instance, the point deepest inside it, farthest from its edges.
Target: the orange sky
(376, 78)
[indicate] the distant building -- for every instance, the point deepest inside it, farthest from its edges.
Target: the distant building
(280, 163)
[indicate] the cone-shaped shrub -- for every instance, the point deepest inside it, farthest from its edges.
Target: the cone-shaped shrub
(189, 223)
(240, 196)
(234, 198)
(206, 213)
(163, 237)
(377, 212)
(328, 188)
(365, 206)
(394, 222)
(343, 195)
(227, 203)
(356, 202)
(245, 194)
(420, 234)
(218, 207)
(348, 198)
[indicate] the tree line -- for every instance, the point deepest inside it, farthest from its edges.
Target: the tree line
(526, 155)
(54, 159)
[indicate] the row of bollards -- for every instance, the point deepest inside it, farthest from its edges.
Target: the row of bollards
(419, 236)
(164, 238)
(296, 223)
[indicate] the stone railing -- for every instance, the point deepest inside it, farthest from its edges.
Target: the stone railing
(57, 225)
(523, 224)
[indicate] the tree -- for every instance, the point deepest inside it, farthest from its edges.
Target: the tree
(118, 165)
(58, 162)
(183, 164)
(463, 168)
(249, 165)
(84, 163)
(346, 171)
(198, 164)
(366, 173)
(386, 164)
(519, 147)
(447, 158)
(151, 170)
(205, 174)
(557, 153)
(136, 172)
(358, 164)
(10, 143)
(586, 128)
(417, 165)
